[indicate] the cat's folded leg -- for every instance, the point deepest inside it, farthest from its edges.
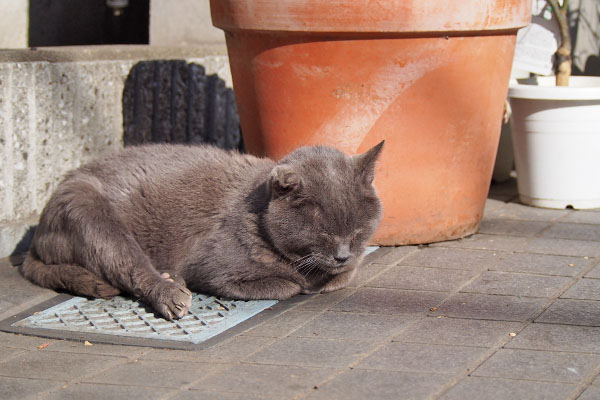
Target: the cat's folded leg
(339, 281)
(90, 233)
(274, 288)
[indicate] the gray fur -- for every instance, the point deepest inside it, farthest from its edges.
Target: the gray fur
(213, 221)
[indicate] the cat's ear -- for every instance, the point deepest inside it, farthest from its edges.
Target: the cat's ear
(365, 163)
(283, 180)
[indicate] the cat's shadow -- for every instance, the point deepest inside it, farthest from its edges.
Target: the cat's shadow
(17, 256)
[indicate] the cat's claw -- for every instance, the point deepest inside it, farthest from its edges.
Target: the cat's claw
(171, 299)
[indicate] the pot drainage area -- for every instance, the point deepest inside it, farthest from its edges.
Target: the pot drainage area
(127, 321)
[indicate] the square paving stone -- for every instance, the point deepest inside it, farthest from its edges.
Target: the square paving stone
(367, 273)
(542, 264)
(495, 389)
(8, 352)
(512, 227)
(395, 255)
(283, 324)
(455, 331)
(81, 391)
(55, 365)
(517, 284)
(344, 325)
(17, 341)
(324, 301)
(522, 212)
(418, 278)
(193, 394)
(234, 350)
(389, 301)
(424, 358)
(595, 272)
(22, 388)
(435, 257)
(273, 380)
(539, 365)
(379, 385)
(563, 247)
(591, 393)
(159, 374)
(487, 242)
(554, 337)
(312, 352)
(573, 231)
(492, 307)
(583, 217)
(572, 312)
(584, 289)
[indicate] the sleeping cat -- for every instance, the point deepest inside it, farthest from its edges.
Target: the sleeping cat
(156, 221)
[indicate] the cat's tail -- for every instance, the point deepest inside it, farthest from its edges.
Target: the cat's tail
(70, 277)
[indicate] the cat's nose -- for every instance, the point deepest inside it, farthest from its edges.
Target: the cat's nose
(343, 254)
(341, 259)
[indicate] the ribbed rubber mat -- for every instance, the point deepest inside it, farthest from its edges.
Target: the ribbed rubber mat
(208, 316)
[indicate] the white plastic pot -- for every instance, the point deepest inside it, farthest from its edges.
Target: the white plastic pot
(556, 137)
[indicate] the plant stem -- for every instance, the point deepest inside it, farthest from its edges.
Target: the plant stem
(563, 54)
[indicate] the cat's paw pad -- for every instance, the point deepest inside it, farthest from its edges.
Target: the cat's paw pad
(172, 278)
(171, 299)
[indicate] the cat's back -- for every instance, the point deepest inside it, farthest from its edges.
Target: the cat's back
(166, 166)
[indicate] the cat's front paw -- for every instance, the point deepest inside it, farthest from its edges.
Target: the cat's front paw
(171, 299)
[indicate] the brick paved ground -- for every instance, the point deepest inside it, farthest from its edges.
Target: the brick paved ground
(512, 312)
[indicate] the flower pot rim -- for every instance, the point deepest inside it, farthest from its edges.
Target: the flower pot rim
(391, 16)
(543, 88)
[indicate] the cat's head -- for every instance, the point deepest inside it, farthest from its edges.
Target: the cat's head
(323, 207)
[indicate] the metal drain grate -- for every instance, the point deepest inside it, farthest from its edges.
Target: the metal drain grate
(121, 316)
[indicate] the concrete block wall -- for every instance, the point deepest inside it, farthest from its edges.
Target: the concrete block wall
(60, 108)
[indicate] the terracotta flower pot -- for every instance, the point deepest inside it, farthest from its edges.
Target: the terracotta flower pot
(428, 76)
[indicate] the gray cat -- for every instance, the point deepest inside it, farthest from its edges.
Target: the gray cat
(153, 221)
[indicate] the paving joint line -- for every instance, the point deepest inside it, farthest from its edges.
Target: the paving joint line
(383, 342)
(503, 342)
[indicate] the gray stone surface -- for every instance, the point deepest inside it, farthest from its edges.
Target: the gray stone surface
(374, 385)
(156, 374)
(517, 284)
(389, 301)
(591, 393)
(434, 257)
(584, 289)
(423, 358)
(343, 325)
(573, 231)
(493, 307)
(23, 388)
(594, 273)
(277, 380)
(455, 340)
(521, 212)
(417, 278)
(564, 247)
(553, 337)
(312, 352)
(543, 264)
(56, 366)
(572, 312)
(79, 391)
(539, 366)
(512, 227)
(494, 388)
(487, 242)
(459, 332)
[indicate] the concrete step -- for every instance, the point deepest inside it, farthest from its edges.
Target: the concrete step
(61, 107)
